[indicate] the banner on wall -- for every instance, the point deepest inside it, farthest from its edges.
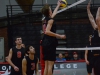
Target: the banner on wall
(60, 69)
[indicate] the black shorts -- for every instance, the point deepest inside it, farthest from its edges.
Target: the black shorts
(49, 53)
(96, 65)
(13, 72)
(90, 66)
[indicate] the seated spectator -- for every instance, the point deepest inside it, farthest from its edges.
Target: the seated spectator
(67, 57)
(60, 58)
(75, 56)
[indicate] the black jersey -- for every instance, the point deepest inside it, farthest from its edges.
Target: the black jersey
(31, 65)
(95, 41)
(17, 56)
(50, 40)
(90, 53)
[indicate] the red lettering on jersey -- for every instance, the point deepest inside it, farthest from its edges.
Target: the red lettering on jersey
(33, 66)
(19, 54)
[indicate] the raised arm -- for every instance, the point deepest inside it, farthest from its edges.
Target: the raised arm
(56, 9)
(24, 62)
(37, 71)
(91, 18)
(98, 14)
(98, 19)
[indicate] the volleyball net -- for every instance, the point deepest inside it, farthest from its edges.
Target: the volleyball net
(85, 48)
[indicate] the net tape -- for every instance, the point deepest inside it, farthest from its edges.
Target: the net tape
(86, 48)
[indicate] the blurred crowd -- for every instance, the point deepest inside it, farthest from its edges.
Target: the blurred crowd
(63, 57)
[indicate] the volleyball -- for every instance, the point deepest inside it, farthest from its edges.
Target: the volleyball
(63, 4)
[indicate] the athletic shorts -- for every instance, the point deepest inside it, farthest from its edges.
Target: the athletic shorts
(90, 66)
(96, 65)
(13, 72)
(49, 53)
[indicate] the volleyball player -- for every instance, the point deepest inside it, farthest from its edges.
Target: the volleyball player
(16, 54)
(30, 62)
(95, 41)
(43, 29)
(89, 57)
(23, 45)
(49, 41)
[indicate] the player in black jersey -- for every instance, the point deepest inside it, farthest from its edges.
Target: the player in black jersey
(6, 58)
(16, 54)
(30, 62)
(89, 57)
(95, 41)
(49, 41)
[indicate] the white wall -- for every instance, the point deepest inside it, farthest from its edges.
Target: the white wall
(13, 2)
(2, 49)
(2, 8)
(3, 4)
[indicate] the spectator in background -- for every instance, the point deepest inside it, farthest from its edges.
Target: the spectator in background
(60, 58)
(75, 56)
(67, 57)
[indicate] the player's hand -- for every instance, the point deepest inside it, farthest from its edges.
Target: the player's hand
(99, 9)
(62, 36)
(87, 62)
(59, 2)
(16, 68)
(88, 6)
(6, 58)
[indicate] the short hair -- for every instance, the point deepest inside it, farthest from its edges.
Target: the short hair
(45, 10)
(27, 49)
(17, 37)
